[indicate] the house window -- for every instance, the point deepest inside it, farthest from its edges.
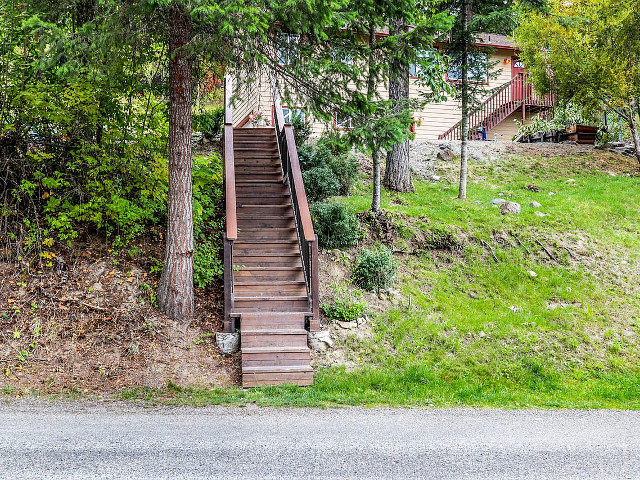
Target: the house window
(415, 69)
(287, 48)
(477, 68)
(342, 55)
(291, 113)
(343, 122)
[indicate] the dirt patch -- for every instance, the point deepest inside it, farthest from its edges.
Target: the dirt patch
(89, 324)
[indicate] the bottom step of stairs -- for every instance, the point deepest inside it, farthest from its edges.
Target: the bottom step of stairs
(274, 349)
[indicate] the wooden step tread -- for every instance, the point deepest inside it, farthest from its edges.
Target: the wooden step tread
(274, 269)
(271, 241)
(275, 331)
(275, 349)
(277, 368)
(266, 254)
(276, 298)
(271, 282)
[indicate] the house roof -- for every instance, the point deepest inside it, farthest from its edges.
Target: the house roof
(496, 40)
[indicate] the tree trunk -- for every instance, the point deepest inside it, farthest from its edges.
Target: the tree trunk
(464, 126)
(397, 175)
(175, 292)
(635, 109)
(375, 202)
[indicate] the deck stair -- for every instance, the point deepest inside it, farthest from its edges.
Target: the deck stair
(517, 94)
(270, 259)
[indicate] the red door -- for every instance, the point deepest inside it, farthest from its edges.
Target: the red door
(519, 88)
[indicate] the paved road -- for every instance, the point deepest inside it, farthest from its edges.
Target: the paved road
(115, 440)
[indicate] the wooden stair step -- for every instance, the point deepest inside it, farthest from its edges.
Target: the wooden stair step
(267, 249)
(278, 368)
(293, 337)
(259, 274)
(269, 290)
(257, 379)
(272, 320)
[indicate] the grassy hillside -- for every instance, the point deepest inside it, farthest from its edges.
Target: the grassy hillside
(493, 310)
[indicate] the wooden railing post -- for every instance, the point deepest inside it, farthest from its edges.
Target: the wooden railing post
(314, 324)
(229, 185)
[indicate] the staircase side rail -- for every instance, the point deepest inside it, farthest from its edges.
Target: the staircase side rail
(304, 226)
(231, 219)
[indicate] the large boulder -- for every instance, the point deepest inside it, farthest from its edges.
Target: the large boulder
(509, 207)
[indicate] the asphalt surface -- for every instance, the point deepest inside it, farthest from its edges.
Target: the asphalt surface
(117, 440)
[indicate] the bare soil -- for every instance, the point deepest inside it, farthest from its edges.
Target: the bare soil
(88, 324)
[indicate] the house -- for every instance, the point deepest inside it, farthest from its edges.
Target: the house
(508, 97)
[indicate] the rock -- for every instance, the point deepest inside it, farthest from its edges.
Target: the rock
(361, 321)
(228, 342)
(435, 178)
(477, 202)
(535, 204)
(347, 325)
(539, 214)
(515, 309)
(533, 274)
(501, 194)
(481, 334)
(509, 208)
(551, 193)
(319, 341)
(498, 201)
(570, 180)
(445, 154)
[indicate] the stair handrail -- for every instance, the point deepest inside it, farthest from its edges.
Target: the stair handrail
(498, 94)
(231, 219)
(306, 235)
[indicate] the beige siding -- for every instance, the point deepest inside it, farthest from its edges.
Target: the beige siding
(435, 118)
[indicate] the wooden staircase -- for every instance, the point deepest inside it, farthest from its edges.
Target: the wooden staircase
(270, 255)
(506, 99)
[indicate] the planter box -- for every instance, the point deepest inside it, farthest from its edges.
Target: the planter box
(584, 134)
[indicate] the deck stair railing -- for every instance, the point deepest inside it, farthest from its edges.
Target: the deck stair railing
(231, 229)
(292, 173)
(506, 99)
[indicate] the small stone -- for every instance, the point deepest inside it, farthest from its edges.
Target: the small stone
(481, 334)
(228, 342)
(535, 204)
(361, 321)
(498, 201)
(320, 340)
(515, 309)
(445, 154)
(477, 202)
(570, 180)
(539, 214)
(509, 208)
(347, 325)
(551, 193)
(533, 274)
(501, 194)
(435, 178)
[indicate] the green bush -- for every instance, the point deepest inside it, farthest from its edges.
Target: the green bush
(207, 223)
(345, 168)
(301, 128)
(320, 183)
(209, 122)
(347, 305)
(375, 269)
(335, 225)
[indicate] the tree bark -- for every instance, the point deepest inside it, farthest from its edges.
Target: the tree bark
(464, 126)
(375, 203)
(397, 175)
(635, 109)
(175, 292)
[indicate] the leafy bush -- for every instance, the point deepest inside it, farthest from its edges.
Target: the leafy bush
(207, 224)
(301, 128)
(330, 170)
(347, 305)
(209, 122)
(320, 183)
(335, 225)
(440, 239)
(374, 269)
(345, 168)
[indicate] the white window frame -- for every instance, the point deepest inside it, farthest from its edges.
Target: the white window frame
(287, 48)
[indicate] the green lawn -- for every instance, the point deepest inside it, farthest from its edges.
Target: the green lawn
(486, 333)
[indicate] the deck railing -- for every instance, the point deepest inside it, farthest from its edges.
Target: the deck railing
(231, 226)
(307, 238)
(506, 99)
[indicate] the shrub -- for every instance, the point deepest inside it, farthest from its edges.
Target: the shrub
(301, 128)
(347, 305)
(209, 122)
(335, 225)
(207, 224)
(374, 269)
(345, 168)
(320, 183)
